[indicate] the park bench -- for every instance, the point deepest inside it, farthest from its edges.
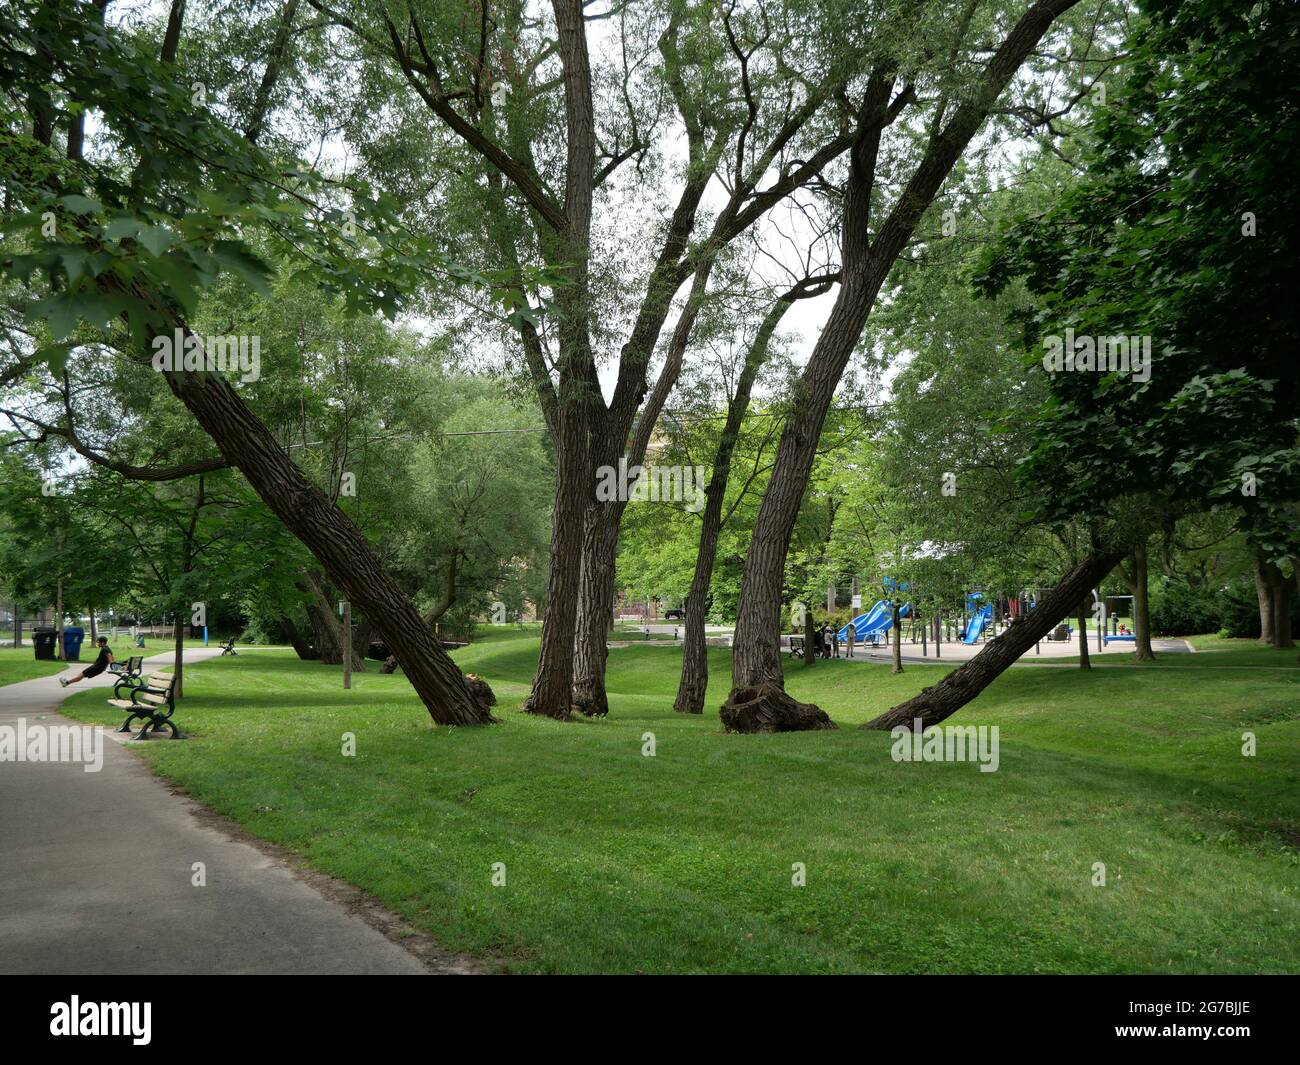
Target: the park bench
(228, 648)
(796, 646)
(153, 702)
(127, 673)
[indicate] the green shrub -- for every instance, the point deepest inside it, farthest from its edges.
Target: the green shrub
(1238, 606)
(1178, 609)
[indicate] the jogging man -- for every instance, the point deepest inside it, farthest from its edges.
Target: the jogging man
(95, 668)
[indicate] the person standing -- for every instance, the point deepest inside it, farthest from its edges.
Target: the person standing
(850, 638)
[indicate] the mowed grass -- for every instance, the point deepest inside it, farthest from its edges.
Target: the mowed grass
(682, 862)
(19, 663)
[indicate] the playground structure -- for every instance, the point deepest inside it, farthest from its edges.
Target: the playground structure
(984, 615)
(978, 618)
(875, 623)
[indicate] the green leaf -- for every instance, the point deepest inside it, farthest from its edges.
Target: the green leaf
(157, 239)
(248, 267)
(123, 227)
(60, 314)
(79, 204)
(55, 356)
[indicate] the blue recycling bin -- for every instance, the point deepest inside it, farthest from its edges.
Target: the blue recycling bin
(72, 637)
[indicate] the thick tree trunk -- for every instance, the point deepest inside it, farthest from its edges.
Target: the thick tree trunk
(965, 683)
(1141, 605)
(337, 544)
(578, 403)
(1275, 593)
(552, 691)
(595, 607)
(18, 627)
(325, 630)
(809, 639)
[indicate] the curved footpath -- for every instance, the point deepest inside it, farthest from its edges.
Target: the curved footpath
(96, 873)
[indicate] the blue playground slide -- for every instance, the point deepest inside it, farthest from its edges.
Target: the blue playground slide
(877, 620)
(977, 622)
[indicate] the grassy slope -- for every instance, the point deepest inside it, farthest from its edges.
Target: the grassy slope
(682, 862)
(19, 663)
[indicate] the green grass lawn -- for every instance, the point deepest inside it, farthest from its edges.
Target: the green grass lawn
(19, 663)
(616, 862)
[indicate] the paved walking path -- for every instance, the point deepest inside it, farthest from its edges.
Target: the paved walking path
(96, 871)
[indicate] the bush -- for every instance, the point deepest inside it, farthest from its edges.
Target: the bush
(1178, 609)
(1238, 606)
(836, 620)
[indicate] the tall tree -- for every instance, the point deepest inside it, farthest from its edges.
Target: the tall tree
(759, 98)
(866, 259)
(134, 255)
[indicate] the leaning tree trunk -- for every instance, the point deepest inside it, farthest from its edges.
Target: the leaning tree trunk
(868, 250)
(295, 640)
(325, 636)
(1141, 604)
(326, 626)
(965, 683)
(756, 647)
(334, 540)
(695, 656)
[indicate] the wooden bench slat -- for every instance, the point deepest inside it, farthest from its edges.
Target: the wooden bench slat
(157, 700)
(125, 704)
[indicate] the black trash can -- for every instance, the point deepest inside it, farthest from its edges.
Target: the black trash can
(44, 640)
